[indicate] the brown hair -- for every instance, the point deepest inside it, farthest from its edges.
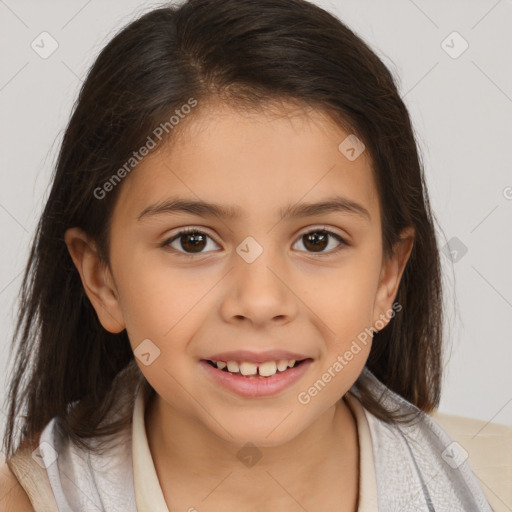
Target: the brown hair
(248, 53)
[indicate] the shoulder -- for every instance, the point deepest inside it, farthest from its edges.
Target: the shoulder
(13, 497)
(481, 438)
(488, 448)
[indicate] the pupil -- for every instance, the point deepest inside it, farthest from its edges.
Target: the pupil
(318, 239)
(196, 242)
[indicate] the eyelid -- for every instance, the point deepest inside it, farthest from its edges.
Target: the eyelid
(189, 229)
(166, 244)
(309, 229)
(322, 227)
(342, 239)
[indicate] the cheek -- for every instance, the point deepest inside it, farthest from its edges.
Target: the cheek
(160, 320)
(164, 305)
(152, 293)
(346, 299)
(151, 303)
(345, 305)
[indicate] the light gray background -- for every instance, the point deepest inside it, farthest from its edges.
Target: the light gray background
(462, 112)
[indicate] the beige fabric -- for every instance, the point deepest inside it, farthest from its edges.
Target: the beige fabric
(149, 495)
(34, 479)
(489, 448)
(367, 479)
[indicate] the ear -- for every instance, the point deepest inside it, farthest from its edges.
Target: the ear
(96, 279)
(391, 274)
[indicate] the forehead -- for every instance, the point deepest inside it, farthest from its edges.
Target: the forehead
(254, 162)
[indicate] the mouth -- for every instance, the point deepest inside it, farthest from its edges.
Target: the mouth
(255, 380)
(255, 371)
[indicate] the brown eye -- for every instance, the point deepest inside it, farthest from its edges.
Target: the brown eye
(188, 242)
(193, 242)
(318, 240)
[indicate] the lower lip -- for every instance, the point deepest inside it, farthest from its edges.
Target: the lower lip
(257, 386)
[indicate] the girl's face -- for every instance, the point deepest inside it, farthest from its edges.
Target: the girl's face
(253, 281)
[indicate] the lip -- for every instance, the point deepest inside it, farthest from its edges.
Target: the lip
(257, 357)
(252, 387)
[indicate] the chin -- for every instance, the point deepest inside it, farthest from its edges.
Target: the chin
(265, 434)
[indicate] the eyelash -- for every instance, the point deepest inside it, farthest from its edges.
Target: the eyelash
(166, 243)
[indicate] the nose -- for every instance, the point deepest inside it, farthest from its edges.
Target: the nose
(259, 291)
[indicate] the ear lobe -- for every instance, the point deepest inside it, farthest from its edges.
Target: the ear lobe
(96, 279)
(391, 274)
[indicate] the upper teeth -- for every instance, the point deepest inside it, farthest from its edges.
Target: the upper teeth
(266, 369)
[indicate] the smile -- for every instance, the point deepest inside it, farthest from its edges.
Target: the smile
(245, 368)
(264, 379)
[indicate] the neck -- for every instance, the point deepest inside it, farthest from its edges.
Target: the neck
(324, 456)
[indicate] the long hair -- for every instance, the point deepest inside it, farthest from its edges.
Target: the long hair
(249, 54)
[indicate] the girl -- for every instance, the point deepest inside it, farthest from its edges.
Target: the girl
(233, 301)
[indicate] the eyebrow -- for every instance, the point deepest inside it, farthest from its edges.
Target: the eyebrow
(207, 209)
